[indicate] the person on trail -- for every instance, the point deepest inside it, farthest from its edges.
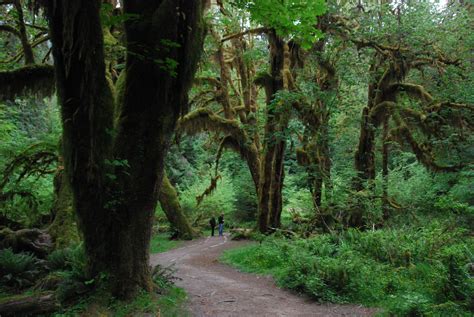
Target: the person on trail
(221, 225)
(212, 223)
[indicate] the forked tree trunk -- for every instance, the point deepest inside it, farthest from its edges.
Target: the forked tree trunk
(115, 181)
(169, 201)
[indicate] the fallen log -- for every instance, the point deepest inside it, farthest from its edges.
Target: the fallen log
(241, 233)
(35, 241)
(28, 305)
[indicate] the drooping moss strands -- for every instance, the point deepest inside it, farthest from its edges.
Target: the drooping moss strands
(209, 190)
(202, 119)
(247, 151)
(37, 80)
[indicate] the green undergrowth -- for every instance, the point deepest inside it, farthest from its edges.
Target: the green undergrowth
(63, 273)
(406, 271)
(160, 242)
(168, 304)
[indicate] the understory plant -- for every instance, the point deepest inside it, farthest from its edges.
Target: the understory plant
(409, 271)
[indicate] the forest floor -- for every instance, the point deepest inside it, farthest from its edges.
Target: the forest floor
(215, 289)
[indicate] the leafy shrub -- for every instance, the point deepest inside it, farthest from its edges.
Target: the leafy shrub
(163, 277)
(18, 270)
(60, 259)
(75, 280)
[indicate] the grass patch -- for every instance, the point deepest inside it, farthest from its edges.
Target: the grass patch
(161, 243)
(168, 304)
(406, 271)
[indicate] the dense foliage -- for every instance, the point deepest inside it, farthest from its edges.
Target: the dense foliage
(408, 271)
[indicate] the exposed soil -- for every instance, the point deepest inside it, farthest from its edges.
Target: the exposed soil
(215, 289)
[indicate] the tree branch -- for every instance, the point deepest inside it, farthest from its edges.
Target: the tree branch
(33, 79)
(9, 29)
(240, 34)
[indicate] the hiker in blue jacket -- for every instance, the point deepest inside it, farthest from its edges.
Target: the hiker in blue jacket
(220, 220)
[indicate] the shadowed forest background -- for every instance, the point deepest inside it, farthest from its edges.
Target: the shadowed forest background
(336, 135)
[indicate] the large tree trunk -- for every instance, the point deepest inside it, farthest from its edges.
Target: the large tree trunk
(115, 183)
(169, 201)
(277, 185)
(86, 110)
(365, 154)
(270, 192)
(320, 169)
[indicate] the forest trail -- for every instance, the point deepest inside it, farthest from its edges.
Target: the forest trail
(215, 289)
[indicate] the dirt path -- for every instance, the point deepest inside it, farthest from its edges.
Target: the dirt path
(217, 290)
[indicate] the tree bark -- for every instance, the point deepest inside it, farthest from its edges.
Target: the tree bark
(385, 154)
(365, 155)
(269, 192)
(27, 50)
(63, 229)
(169, 201)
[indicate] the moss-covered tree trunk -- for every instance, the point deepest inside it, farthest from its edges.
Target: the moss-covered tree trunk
(270, 174)
(63, 229)
(365, 155)
(317, 123)
(115, 182)
(320, 161)
(86, 110)
(25, 44)
(385, 157)
(169, 201)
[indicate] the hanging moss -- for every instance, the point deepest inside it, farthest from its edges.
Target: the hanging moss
(201, 120)
(35, 80)
(212, 187)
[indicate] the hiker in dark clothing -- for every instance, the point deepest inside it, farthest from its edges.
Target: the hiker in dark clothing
(212, 222)
(221, 224)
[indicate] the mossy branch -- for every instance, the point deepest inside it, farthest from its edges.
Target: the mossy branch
(37, 159)
(414, 91)
(209, 190)
(259, 30)
(204, 120)
(422, 152)
(29, 80)
(9, 29)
